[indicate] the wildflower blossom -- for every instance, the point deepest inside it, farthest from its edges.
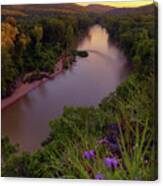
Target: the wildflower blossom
(86, 155)
(92, 153)
(99, 176)
(89, 154)
(111, 162)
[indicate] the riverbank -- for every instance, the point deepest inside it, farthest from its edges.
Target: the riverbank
(25, 88)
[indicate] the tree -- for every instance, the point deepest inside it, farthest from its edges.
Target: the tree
(69, 36)
(37, 33)
(8, 35)
(9, 73)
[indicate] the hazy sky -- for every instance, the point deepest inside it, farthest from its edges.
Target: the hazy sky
(121, 4)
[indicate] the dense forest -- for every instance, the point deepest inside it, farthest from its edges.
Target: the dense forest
(116, 140)
(30, 47)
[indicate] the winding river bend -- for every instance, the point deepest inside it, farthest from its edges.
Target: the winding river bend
(84, 84)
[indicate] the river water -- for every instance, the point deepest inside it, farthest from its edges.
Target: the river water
(84, 84)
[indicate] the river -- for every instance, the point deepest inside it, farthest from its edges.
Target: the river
(84, 84)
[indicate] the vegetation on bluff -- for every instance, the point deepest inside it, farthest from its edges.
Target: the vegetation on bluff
(117, 140)
(30, 46)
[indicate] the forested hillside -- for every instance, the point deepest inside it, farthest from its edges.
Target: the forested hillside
(116, 140)
(52, 9)
(32, 46)
(138, 10)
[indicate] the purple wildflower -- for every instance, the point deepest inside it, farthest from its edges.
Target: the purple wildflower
(89, 154)
(86, 155)
(92, 153)
(99, 176)
(111, 162)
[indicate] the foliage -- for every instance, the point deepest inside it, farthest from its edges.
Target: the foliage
(7, 148)
(7, 68)
(116, 140)
(80, 53)
(31, 46)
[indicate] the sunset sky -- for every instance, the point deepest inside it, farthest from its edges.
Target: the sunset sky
(135, 3)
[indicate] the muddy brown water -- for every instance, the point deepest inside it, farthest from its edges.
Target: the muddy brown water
(84, 84)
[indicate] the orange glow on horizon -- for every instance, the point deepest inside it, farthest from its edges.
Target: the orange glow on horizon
(135, 3)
